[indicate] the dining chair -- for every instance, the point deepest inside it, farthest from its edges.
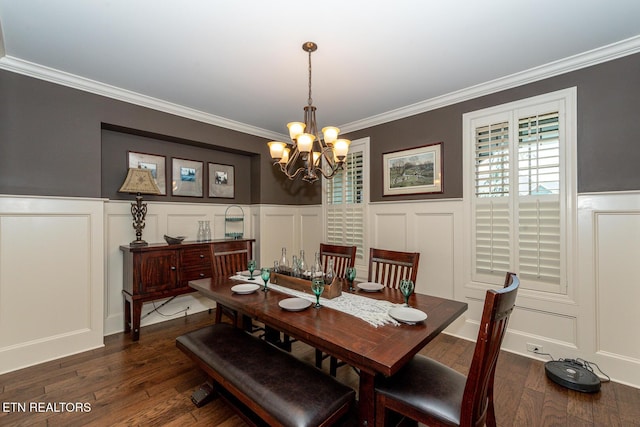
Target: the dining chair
(390, 267)
(431, 393)
(387, 268)
(227, 259)
(343, 257)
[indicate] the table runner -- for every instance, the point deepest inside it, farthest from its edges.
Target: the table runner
(373, 311)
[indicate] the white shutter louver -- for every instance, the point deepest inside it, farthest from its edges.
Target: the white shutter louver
(345, 204)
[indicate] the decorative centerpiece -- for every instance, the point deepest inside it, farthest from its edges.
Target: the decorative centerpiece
(331, 290)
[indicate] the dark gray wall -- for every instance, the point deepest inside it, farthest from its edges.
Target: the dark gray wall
(51, 138)
(116, 144)
(51, 144)
(608, 131)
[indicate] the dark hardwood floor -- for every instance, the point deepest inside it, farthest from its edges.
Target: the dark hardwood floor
(149, 383)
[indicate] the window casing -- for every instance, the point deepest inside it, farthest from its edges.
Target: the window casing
(519, 162)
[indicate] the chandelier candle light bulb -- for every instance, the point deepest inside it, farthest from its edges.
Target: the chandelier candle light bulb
(309, 155)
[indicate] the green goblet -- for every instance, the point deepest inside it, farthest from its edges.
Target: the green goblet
(406, 287)
(317, 286)
(251, 266)
(265, 273)
(351, 276)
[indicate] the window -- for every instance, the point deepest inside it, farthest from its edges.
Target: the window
(345, 201)
(519, 162)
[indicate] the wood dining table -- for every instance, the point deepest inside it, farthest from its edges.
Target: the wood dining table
(372, 350)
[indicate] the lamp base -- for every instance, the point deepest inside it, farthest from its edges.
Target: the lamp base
(138, 243)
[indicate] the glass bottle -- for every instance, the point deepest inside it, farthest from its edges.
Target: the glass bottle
(295, 267)
(200, 237)
(207, 231)
(317, 265)
(284, 263)
(303, 264)
(330, 274)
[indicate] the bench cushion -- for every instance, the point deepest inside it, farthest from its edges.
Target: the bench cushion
(293, 392)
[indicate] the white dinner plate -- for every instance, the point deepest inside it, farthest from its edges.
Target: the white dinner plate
(245, 288)
(407, 315)
(294, 304)
(370, 286)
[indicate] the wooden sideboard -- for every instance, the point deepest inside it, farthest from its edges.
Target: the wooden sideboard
(159, 271)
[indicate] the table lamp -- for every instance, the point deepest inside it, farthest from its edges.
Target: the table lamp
(139, 181)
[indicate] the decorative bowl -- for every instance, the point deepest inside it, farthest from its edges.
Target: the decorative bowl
(174, 240)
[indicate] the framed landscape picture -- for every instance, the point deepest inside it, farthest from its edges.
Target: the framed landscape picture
(413, 171)
(152, 162)
(221, 181)
(186, 178)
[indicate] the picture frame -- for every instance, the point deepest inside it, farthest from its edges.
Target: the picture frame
(186, 177)
(221, 181)
(413, 171)
(154, 162)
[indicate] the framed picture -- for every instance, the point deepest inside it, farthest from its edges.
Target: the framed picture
(221, 181)
(187, 178)
(153, 162)
(413, 171)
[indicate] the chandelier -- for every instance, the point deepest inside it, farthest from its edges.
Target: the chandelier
(308, 155)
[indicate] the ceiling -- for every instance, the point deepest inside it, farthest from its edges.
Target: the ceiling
(242, 61)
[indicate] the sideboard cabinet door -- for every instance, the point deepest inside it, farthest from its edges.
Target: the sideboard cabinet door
(158, 271)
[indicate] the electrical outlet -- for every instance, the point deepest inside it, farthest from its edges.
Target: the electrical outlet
(534, 348)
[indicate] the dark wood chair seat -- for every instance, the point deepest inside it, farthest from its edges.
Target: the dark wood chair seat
(434, 394)
(277, 387)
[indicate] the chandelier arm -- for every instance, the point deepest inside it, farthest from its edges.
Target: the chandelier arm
(334, 171)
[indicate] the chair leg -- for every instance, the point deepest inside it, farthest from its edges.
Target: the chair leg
(491, 414)
(319, 359)
(380, 410)
(218, 318)
(333, 366)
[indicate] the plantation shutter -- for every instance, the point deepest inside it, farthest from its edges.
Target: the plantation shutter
(345, 203)
(539, 231)
(517, 206)
(492, 212)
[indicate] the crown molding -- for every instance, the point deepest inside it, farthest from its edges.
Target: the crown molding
(563, 66)
(596, 56)
(37, 71)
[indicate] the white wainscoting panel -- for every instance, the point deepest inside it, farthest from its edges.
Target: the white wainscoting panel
(290, 227)
(618, 282)
(434, 239)
(428, 228)
(51, 278)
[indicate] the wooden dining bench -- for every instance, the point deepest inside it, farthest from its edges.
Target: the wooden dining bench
(277, 388)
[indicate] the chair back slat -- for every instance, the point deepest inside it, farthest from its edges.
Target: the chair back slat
(493, 325)
(390, 267)
(342, 256)
(230, 257)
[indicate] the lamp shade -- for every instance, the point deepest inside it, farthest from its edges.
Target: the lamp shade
(139, 180)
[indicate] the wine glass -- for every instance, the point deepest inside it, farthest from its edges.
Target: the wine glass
(317, 286)
(351, 276)
(406, 287)
(251, 266)
(265, 273)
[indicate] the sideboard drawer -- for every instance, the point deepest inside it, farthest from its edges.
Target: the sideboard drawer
(197, 256)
